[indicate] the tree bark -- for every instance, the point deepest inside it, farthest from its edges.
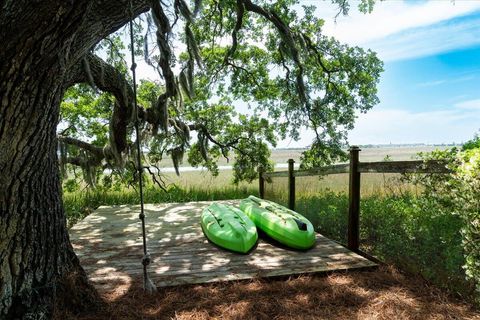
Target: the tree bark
(41, 40)
(36, 257)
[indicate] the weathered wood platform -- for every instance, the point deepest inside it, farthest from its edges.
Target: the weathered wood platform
(109, 245)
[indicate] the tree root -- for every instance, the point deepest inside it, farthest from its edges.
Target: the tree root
(75, 295)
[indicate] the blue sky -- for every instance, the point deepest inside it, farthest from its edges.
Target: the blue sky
(429, 91)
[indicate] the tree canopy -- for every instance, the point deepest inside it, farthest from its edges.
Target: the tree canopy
(213, 56)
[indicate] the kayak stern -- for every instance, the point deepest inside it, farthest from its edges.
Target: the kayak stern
(284, 225)
(229, 228)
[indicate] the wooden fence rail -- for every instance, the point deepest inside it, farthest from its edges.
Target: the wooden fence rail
(354, 168)
(418, 166)
(333, 169)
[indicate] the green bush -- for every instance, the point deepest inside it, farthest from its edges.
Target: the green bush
(417, 234)
(472, 144)
(328, 213)
(465, 189)
(459, 193)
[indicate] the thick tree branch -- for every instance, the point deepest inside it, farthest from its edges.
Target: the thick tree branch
(108, 79)
(83, 162)
(105, 77)
(94, 150)
(102, 18)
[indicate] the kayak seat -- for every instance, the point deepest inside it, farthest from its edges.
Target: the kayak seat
(301, 225)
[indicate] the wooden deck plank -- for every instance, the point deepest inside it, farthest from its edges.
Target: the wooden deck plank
(208, 249)
(192, 265)
(109, 245)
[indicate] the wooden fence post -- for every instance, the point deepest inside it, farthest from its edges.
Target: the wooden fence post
(261, 183)
(291, 184)
(354, 201)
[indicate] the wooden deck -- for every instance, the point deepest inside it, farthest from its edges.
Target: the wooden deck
(108, 243)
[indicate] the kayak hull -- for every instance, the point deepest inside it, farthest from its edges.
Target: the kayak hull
(229, 228)
(284, 225)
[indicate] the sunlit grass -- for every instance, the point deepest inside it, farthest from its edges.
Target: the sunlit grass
(81, 203)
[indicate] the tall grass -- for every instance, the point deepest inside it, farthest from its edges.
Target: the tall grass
(416, 234)
(79, 204)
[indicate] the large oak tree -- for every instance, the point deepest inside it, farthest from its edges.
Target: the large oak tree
(260, 52)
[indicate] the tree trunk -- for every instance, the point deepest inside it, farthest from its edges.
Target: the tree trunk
(41, 40)
(37, 262)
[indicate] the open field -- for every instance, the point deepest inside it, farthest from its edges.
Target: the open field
(370, 182)
(367, 154)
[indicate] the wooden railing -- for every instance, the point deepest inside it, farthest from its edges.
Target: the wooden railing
(354, 168)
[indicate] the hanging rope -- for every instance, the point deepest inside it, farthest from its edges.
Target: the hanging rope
(148, 284)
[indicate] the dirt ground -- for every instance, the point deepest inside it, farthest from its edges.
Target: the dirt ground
(382, 293)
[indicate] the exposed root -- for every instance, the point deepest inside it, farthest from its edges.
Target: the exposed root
(75, 295)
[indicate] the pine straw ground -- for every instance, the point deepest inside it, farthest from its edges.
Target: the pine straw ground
(382, 293)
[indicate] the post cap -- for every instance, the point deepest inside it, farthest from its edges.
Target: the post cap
(291, 161)
(354, 148)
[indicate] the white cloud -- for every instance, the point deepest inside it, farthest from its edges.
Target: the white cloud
(425, 41)
(432, 83)
(402, 126)
(449, 81)
(469, 105)
(405, 29)
(383, 126)
(390, 17)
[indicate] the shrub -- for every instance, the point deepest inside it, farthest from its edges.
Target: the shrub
(459, 192)
(466, 196)
(472, 144)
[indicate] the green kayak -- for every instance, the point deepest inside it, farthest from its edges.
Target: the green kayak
(286, 226)
(228, 227)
